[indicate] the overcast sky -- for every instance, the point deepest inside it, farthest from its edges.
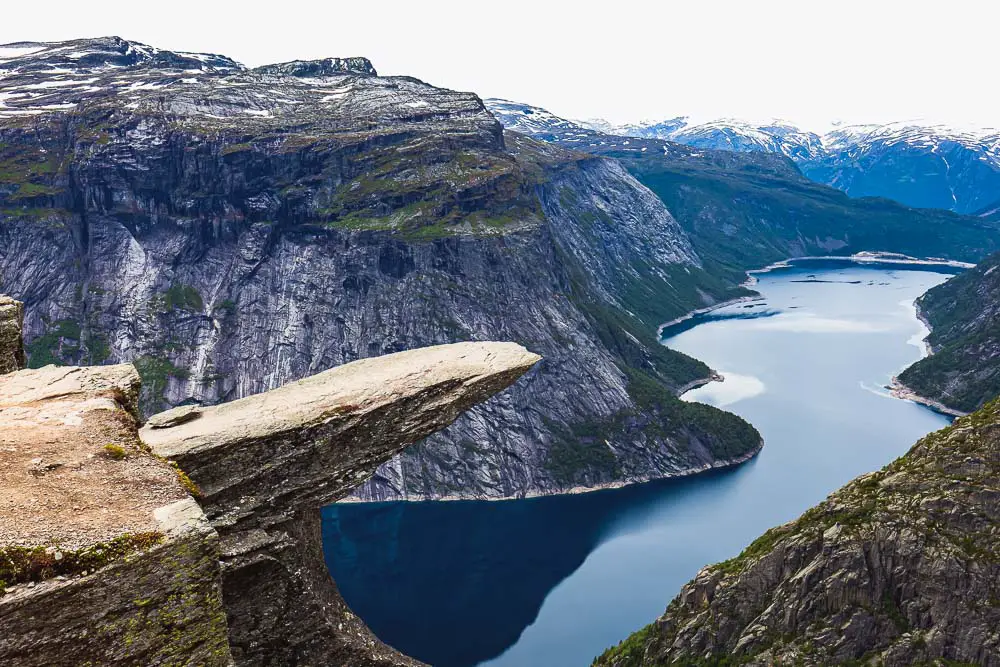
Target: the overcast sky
(807, 61)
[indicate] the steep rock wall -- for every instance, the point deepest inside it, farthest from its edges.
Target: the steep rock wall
(228, 243)
(105, 558)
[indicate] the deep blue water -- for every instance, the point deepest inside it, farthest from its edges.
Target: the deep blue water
(550, 582)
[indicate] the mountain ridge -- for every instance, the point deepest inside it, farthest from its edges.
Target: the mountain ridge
(230, 230)
(763, 199)
(920, 164)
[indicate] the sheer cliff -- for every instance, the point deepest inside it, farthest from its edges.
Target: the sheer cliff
(899, 567)
(963, 369)
(230, 229)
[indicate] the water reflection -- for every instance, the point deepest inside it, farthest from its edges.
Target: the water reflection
(551, 582)
(481, 564)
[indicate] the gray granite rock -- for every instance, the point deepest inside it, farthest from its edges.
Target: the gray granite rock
(267, 463)
(11, 343)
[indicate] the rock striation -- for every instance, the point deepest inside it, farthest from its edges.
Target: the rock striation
(899, 567)
(200, 543)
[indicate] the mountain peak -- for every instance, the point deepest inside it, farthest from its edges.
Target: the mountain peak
(321, 67)
(112, 51)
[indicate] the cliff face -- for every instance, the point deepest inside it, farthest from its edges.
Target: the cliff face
(11, 345)
(266, 464)
(107, 559)
(900, 567)
(963, 371)
(229, 230)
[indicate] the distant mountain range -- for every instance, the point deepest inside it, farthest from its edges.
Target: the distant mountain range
(920, 165)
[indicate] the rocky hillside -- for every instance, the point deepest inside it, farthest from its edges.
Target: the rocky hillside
(11, 343)
(230, 229)
(918, 164)
(746, 210)
(963, 371)
(900, 567)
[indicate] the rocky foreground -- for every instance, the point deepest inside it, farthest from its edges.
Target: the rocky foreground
(197, 542)
(900, 567)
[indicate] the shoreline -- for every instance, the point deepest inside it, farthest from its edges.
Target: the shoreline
(857, 258)
(899, 390)
(928, 349)
(707, 309)
(896, 388)
(865, 258)
(904, 393)
(715, 376)
(576, 490)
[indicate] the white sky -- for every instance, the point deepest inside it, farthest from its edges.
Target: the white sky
(807, 61)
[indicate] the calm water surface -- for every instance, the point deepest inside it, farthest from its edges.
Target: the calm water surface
(550, 582)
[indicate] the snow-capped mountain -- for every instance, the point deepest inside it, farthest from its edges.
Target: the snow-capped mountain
(537, 122)
(919, 164)
(725, 134)
(922, 165)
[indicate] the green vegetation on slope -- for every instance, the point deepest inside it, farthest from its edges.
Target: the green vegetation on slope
(743, 218)
(919, 534)
(654, 371)
(20, 565)
(60, 339)
(964, 314)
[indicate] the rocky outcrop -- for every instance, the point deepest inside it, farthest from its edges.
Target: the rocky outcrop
(267, 463)
(104, 557)
(900, 567)
(230, 230)
(11, 345)
(963, 370)
(107, 559)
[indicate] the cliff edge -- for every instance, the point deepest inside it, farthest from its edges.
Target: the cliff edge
(200, 542)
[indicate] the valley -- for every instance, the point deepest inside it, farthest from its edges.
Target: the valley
(806, 363)
(546, 371)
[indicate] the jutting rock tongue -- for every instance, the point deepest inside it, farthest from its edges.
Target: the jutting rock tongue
(265, 465)
(105, 556)
(11, 343)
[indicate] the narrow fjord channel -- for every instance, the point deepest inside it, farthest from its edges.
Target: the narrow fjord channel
(551, 582)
